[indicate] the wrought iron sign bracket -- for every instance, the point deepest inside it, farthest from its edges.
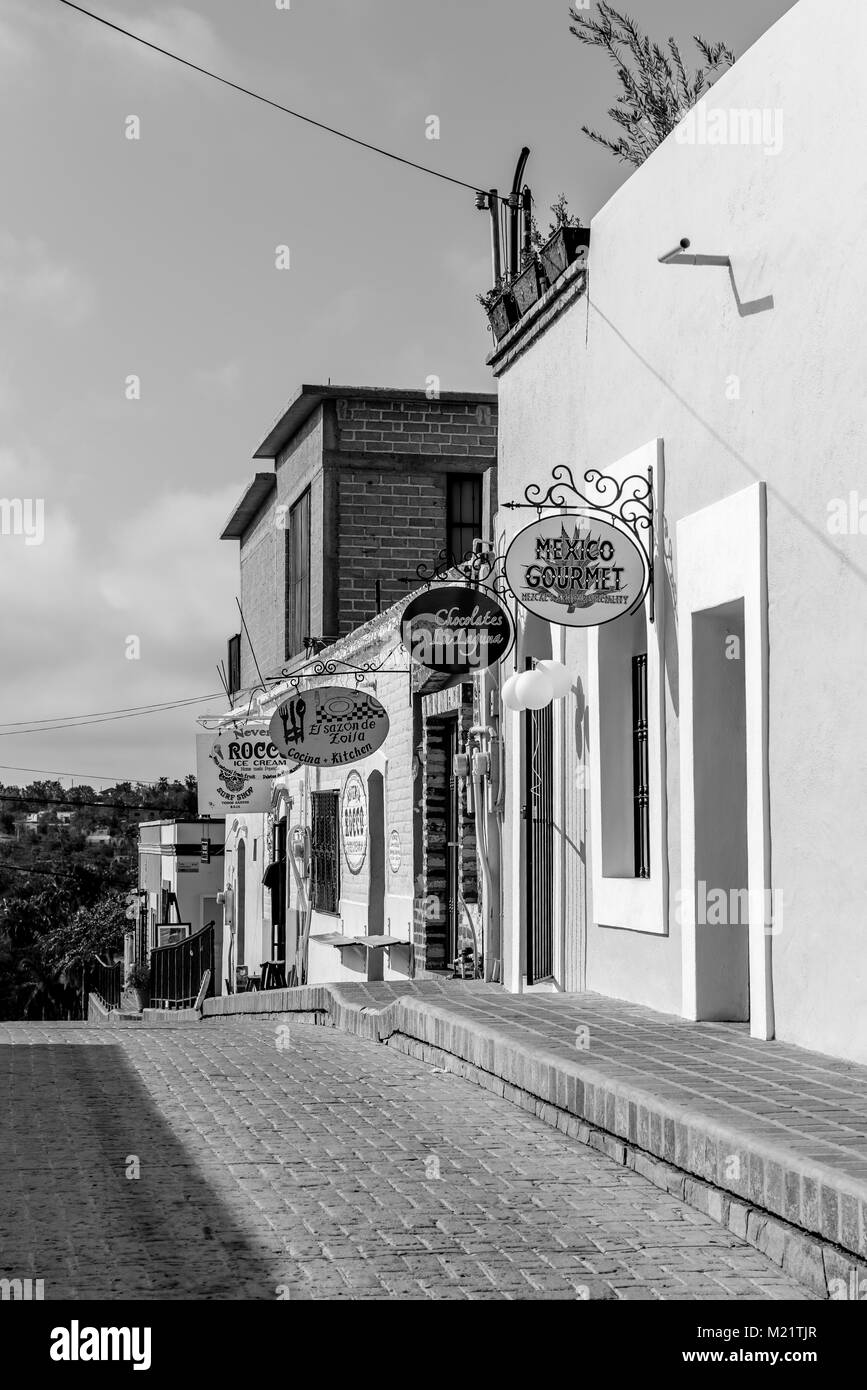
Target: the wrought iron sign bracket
(334, 666)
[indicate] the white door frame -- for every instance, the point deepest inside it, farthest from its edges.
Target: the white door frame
(721, 557)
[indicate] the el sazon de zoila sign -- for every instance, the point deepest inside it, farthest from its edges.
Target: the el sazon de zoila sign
(329, 726)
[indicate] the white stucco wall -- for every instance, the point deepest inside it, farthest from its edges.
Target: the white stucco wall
(741, 390)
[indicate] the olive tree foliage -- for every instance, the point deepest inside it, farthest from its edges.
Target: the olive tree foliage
(657, 91)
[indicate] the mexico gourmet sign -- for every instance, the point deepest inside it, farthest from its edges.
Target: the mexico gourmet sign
(576, 570)
(456, 629)
(236, 770)
(329, 726)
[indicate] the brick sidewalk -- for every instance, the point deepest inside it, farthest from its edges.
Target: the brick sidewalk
(775, 1128)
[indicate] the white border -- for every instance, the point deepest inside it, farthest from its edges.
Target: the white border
(721, 556)
(636, 904)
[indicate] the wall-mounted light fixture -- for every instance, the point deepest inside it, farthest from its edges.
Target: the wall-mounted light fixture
(678, 256)
(549, 680)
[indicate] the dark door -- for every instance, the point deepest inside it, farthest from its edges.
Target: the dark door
(278, 894)
(453, 875)
(539, 818)
(376, 881)
(240, 904)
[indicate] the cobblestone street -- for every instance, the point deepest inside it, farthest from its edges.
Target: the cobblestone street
(257, 1160)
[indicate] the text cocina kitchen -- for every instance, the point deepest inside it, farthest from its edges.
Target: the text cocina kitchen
(75, 1343)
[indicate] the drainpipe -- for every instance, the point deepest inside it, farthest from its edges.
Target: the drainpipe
(514, 210)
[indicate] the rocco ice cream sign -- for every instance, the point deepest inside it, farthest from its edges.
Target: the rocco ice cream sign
(576, 570)
(236, 771)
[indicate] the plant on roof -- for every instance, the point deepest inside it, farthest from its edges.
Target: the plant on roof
(657, 91)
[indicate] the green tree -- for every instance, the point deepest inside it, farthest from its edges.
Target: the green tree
(657, 91)
(93, 933)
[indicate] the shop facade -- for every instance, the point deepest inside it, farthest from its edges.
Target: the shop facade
(699, 817)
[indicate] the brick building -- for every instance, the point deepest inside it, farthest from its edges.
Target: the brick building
(366, 485)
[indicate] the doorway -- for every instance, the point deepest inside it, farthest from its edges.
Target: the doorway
(376, 879)
(240, 903)
(539, 822)
(721, 884)
(452, 842)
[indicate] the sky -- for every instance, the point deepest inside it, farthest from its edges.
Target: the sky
(156, 258)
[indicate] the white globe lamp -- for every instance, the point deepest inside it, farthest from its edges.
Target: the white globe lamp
(509, 694)
(534, 689)
(558, 676)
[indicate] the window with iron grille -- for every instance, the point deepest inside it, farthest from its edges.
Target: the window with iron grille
(640, 767)
(234, 664)
(463, 512)
(298, 575)
(325, 851)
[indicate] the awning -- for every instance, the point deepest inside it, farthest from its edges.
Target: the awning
(375, 942)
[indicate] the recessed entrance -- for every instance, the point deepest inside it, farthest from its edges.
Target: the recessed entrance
(722, 902)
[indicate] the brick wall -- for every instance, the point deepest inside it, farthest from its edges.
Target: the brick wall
(259, 560)
(394, 457)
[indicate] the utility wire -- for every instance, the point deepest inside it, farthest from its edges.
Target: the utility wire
(47, 727)
(109, 805)
(267, 101)
(119, 709)
(90, 776)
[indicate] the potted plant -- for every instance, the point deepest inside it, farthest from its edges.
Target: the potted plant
(138, 980)
(529, 285)
(566, 240)
(501, 309)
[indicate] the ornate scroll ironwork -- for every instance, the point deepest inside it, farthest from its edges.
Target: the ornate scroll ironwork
(335, 666)
(474, 566)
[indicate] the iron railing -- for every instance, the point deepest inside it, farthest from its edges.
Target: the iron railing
(177, 970)
(106, 981)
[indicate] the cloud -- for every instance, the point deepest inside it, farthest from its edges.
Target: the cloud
(176, 28)
(163, 576)
(224, 380)
(70, 605)
(31, 279)
(20, 26)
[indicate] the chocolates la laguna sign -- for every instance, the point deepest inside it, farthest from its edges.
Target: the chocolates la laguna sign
(576, 570)
(456, 629)
(329, 726)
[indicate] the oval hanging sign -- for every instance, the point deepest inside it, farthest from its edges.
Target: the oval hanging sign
(576, 570)
(353, 822)
(329, 726)
(456, 629)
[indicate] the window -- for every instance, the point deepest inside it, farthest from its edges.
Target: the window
(325, 859)
(234, 664)
(298, 575)
(622, 648)
(463, 513)
(640, 767)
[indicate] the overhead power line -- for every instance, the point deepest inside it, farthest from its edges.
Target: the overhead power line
(89, 776)
(108, 805)
(75, 721)
(268, 101)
